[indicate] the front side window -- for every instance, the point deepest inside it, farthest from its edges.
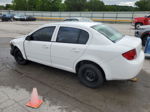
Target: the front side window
(44, 34)
(108, 32)
(72, 35)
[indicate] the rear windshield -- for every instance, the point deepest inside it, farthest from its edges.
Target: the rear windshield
(108, 32)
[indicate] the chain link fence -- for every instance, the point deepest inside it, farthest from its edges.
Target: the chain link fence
(96, 16)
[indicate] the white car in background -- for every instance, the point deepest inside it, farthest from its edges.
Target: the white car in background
(94, 51)
(20, 17)
(79, 19)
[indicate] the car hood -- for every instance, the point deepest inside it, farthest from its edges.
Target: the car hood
(18, 39)
(141, 18)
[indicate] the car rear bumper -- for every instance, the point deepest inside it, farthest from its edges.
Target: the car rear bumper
(122, 69)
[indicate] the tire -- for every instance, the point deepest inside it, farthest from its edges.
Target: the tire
(144, 39)
(90, 75)
(137, 25)
(19, 58)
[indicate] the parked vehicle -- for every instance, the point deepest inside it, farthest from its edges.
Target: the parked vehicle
(78, 19)
(19, 17)
(31, 18)
(147, 48)
(0, 16)
(7, 17)
(139, 21)
(24, 18)
(94, 51)
(143, 32)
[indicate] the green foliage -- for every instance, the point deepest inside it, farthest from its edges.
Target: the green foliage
(74, 5)
(56, 5)
(2, 7)
(143, 5)
(8, 7)
(119, 8)
(62, 7)
(95, 5)
(20, 4)
(32, 5)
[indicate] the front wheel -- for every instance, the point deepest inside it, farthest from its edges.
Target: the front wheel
(90, 75)
(19, 58)
(137, 25)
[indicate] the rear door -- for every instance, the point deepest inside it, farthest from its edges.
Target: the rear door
(69, 46)
(38, 45)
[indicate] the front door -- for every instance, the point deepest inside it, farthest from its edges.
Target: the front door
(38, 45)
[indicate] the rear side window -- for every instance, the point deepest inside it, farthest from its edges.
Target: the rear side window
(44, 34)
(84, 36)
(72, 35)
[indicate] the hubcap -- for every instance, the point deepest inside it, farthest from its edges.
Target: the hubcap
(90, 75)
(138, 26)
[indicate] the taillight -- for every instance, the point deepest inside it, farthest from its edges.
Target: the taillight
(130, 55)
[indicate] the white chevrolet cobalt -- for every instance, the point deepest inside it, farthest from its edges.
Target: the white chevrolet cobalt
(94, 51)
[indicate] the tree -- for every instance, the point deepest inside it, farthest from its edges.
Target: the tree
(20, 4)
(43, 5)
(119, 8)
(95, 5)
(8, 6)
(31, 5)
(75, 5)
(56, 5)
(143, 5)
(62, 7)
(1, 7)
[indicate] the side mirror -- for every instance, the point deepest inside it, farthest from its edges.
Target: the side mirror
(28, 37)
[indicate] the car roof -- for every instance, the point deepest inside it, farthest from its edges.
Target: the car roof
(79, 24)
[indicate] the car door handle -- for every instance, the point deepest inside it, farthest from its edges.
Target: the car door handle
(45, 46)
(75, 50)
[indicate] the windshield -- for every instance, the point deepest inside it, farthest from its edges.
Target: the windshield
(109, 32)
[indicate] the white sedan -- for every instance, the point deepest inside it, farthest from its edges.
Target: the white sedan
(96, 52)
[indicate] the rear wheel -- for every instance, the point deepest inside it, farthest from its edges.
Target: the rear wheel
(19, 58)
(90, 75)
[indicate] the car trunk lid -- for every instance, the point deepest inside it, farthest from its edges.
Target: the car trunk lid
(131, 43)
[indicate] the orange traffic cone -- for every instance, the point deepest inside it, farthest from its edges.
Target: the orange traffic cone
(34, 102)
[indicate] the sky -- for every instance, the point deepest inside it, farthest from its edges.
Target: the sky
(107, 2)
